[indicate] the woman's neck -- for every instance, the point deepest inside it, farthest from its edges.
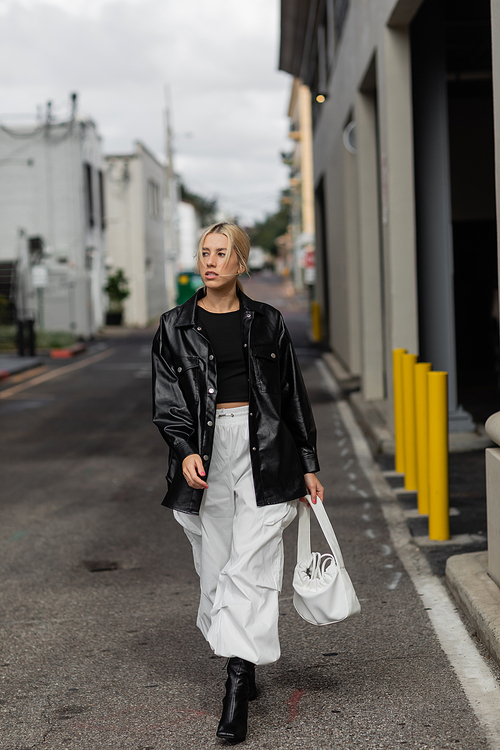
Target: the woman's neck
(220, 303)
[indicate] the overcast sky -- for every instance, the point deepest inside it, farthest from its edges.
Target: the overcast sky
(218, 57)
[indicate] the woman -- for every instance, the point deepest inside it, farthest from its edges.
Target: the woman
(230, 402)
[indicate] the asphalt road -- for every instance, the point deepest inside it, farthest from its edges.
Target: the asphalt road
(99, 595)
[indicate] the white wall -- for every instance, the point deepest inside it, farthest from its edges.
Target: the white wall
(189, 232)
(136, 232)
(42, 193)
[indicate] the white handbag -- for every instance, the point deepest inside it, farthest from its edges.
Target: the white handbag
(323, 591)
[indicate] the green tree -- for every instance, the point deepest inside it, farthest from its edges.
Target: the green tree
(117, 290)
(205, 207)
(264, 233)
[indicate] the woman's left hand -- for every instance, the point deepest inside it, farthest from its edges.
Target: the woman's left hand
(314, 488)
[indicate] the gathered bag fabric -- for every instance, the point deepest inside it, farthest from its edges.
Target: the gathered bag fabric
(323, 591)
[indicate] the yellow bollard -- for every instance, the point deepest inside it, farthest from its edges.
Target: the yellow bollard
(397, 389)
(316, 321)
(422, 420)
(439, 512)
(410, 432)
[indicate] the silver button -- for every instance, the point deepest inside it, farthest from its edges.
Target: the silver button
(205, 458)
(273, 355)
(179, 369)
(244, 345)
(254, 448)
(210, 356)
(249, 315)
(209, 423)
(251, 413)
(211, 390)
(198, 328)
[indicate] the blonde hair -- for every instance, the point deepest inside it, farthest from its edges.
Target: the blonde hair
(237, 242)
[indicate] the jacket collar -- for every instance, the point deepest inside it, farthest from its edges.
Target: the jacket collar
(187, 311)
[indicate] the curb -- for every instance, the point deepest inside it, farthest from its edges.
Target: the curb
(477, 595)
(68, 352)
(373, 420)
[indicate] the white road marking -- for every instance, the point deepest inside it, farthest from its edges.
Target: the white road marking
(395, 581)
(349, 463)
(344, 452)
(366, 517)
(362, 493)
(341, 442)
(352, 476)
(367, 505)
(472, 670)
(370, 534)
(386, 550)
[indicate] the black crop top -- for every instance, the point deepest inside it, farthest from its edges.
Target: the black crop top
(224, 333)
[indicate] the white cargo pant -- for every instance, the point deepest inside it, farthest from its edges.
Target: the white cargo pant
(237, 550)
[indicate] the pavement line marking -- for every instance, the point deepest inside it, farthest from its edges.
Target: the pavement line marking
(56, 373)
(392, 586)
(474, 674)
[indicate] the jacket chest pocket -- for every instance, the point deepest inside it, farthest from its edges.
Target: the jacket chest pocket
(188, 372)
(267, 368)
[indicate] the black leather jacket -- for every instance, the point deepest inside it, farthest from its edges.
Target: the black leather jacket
(282, 430)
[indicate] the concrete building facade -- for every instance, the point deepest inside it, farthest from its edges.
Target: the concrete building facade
(52, 214)
(404, 177)
(301, 185)
(136, 231)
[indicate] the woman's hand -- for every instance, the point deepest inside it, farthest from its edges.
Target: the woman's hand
(314, 488)
(192, 468)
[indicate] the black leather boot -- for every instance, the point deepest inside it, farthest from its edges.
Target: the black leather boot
(233, 724)
(253, 690)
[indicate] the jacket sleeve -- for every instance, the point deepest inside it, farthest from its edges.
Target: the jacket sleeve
(296, 409)
(170, 412)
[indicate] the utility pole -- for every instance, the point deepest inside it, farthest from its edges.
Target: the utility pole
(171, 244)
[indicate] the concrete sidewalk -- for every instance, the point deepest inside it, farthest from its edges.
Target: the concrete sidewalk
(11, 364)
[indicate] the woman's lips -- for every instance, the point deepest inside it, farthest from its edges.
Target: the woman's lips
(211, 274)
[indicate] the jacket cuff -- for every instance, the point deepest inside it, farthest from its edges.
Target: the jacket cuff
(184, 449)
(309, 462)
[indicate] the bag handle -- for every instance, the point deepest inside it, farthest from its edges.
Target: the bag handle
(304, 536)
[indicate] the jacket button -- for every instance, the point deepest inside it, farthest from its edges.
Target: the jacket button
(209, 423)
(210, 356)
(179, 369)
(244, 345)
(211, 390)
(205, 458)
(249, 315)
(254, 448)
(198, 328)
(251, 414)
(273, 355)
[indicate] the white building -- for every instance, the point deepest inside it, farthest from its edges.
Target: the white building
(189, 235)
(51, 187)
(135, 239)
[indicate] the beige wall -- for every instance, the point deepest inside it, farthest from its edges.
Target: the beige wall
(361, 300)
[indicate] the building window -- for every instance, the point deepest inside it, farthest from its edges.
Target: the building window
(89, 194)
(102, 205)
(153, 199)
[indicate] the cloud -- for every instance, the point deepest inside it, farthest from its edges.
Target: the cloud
(217, 58)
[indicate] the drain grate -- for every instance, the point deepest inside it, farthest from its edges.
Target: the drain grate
(97, 566)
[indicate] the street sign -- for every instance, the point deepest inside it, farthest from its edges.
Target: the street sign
(39, 276)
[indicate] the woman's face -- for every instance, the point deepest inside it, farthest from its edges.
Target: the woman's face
(213, 256)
